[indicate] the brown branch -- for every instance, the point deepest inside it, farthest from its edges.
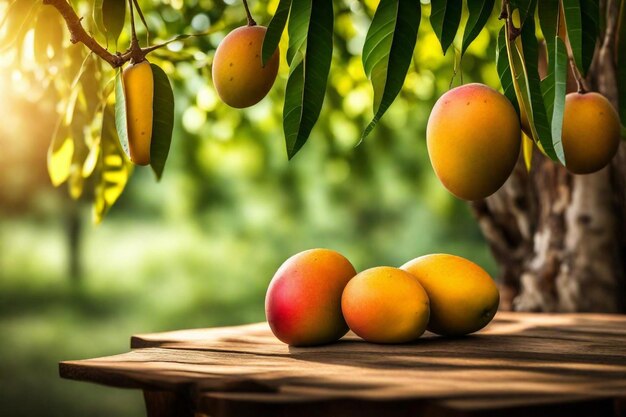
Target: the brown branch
(251, 21)
(580, 81)
(79, 34)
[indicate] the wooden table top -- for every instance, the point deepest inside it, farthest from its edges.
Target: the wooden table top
(521, 364)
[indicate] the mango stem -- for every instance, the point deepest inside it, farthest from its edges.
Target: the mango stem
(251, 21)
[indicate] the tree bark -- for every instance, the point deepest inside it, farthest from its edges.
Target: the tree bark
(560, 239)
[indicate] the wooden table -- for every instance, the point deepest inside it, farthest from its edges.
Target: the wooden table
(520, 365)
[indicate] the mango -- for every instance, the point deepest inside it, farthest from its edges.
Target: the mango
(138, 92)
(303, 301)
(238, 73)
(463, 297)
(591, 132)
(473, 138)
(385, 305)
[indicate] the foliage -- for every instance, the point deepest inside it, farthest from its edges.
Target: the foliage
(83, 151)
(179, 254)
(388, 49)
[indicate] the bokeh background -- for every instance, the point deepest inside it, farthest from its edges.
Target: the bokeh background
(199, 248)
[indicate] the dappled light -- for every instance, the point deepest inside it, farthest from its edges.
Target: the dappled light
(384, 206)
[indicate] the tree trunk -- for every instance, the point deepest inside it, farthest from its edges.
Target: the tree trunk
(73, 229)
(560, 239)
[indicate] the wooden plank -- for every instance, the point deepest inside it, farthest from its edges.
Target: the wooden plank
(438, 371)
(520, 363)
(257, 338)
(226, 404)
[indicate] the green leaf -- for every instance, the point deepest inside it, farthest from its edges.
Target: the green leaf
(114, 168)
(582, 20)
(60, 156)
(526, 8)
(479, 12)
(309, 56)
(445, 17)
(540, 124)
(553, 89)
(621, 61)
(162, 120)
(590, 10)
(275, 30)
(548, 11)
(388, 50)
(62, 150)
(120, 112)
(113, 17)
(504, 70)
(527, 150)
(298, 28)
(97, 16)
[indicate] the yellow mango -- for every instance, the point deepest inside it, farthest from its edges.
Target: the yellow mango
(591, 132)
(463, 297)
(139, 95)
(238, 73)
(473, 139)
(385, 305)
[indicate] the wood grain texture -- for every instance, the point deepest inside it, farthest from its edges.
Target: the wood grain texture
(522, 363)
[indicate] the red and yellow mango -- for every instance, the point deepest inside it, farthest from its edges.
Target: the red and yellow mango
(303, 301)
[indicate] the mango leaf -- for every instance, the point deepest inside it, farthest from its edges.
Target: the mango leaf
(309, 56)
(553, 89)
(91, 161)
(113, 17)
(582, 20)
(61, 152)
(590, 10)
(97, 16)
(504, 70)
(548, 11)
(120, 112)
(526, 8)
(621, 61)
(114, 168)
(479, 12)
(538, 116)
(527, 150)
(162, 120)
(275, 30)
(445, 17)
(60, 156)
(388, 50)
(93, 134)
(298, 28)
(512, 50)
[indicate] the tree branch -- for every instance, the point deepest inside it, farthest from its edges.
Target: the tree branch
(79, 34)
(251, 21)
